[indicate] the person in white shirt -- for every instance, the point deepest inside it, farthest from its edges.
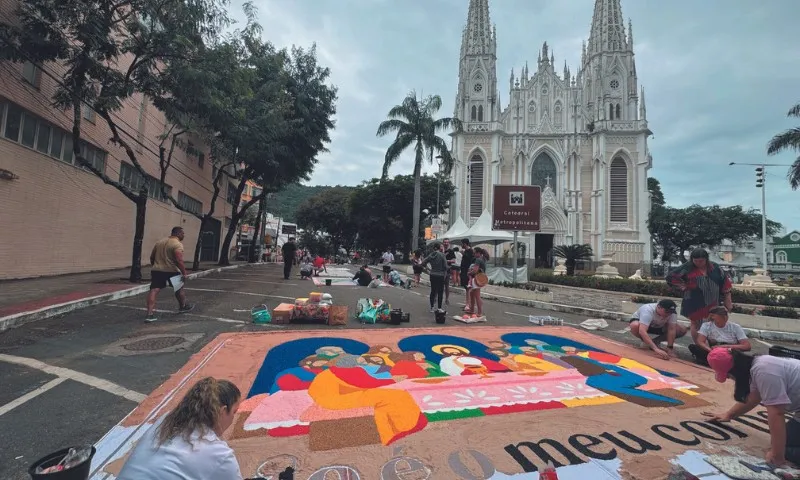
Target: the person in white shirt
(658, 319)
(387, 259)
(718, 332)
(188, 444)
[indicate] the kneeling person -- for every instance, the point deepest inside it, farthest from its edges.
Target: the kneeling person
(657, 319)
(718, 332)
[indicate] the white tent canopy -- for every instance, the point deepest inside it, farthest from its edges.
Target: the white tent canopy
(455, 232)
(481, 231)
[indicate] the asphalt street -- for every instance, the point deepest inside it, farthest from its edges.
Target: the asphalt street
(68, 380)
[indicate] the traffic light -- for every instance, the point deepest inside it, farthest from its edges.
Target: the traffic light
(759, 177)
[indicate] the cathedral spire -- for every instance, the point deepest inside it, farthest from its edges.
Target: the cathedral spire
(608, 28)
(630, 34)
(642, 108)
(479, 37)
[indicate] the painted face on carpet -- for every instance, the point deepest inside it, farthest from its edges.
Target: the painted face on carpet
(335, 388)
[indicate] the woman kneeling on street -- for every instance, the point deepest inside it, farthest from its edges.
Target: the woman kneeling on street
(188, 443)
(771, 381)
(718, 333)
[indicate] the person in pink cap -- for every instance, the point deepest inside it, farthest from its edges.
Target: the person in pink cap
(773, 382)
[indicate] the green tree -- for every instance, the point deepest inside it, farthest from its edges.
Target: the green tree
(573, 254)
(381, 210)
(682, 229)
(657, 204)
(110, 51)
(789, 140)
(414, 122)
(329, 212)
(656, 195)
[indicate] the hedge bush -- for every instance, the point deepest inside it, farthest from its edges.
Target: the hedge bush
(769, 298)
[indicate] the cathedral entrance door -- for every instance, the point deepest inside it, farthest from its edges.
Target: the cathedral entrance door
(542, 250)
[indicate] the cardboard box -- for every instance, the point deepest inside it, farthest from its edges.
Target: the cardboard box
(314, 297)
(283, 313)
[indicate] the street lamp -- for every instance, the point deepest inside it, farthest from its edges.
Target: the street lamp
(439, 160)
(761, 177)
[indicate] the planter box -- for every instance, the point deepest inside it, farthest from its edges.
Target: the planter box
(519, 293)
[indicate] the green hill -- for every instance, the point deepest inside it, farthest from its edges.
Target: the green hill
(284, 203)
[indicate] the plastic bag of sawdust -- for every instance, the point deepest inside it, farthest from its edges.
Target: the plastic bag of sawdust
(594, 324)
(545, 320)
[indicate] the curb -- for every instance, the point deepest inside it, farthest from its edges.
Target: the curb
(21, 318)
(618, 316)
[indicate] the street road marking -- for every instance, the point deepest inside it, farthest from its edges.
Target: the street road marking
(240, 293)
(66, 373)
(768, 345)
(624, 330)
(527, 316)
(219, 319)
(30, 395)
(247, 280)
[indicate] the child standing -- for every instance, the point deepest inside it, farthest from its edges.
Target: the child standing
(416, 265)
(455, 268)
(475, 308)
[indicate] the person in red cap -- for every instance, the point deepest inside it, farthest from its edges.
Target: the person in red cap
(773, 382)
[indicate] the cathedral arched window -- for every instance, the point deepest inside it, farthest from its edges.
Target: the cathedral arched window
(474, 115)
(475, 186)
(781, 257)
(618, 191)
(619, 112)
(480, 113)
(611, 111)
(558, 115)
(543, 171)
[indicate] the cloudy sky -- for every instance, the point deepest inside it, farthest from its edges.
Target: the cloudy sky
(719, 77)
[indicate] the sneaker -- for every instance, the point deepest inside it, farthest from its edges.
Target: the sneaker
(433, 309)
(150, 319)
(186, 308)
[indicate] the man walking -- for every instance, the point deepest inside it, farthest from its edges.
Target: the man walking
(166, 262)
(289, 251)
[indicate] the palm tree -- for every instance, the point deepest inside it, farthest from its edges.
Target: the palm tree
(414, 122)
(789, 140)
(573, 254)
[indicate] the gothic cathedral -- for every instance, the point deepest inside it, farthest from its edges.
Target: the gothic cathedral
(582, 138)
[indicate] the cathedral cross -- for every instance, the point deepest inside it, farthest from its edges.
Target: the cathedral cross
(547, 179)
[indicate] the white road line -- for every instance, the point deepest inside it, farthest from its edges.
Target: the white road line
(624, 330)
(247, 280)
(219, 319)
(527, 316)
(768, 345)
(95, 382)
(240, 293)
(30, 395)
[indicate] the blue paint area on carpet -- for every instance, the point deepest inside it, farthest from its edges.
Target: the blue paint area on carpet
(425, 344)
(288, 355)
(519, 339)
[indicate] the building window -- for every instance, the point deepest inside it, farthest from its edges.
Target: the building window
(619, 112)
(31, 74)
(13, 123)
(43, 138)
(28, 130)
(781, 257)
(190, 204)
(618, 191)
(256, 191)
(543, 172)
(88, 114)
(474, 114)
(131, 178)
(480, 113)
(231, 196)
(475, 186)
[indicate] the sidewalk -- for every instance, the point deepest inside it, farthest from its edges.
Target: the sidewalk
(35, 298)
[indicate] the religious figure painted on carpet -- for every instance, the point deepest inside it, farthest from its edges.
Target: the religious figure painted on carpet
(325, 386)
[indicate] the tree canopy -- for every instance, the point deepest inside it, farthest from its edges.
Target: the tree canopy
(330, 212)
(789, 140)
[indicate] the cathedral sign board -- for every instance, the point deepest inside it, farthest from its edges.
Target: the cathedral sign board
(517, 208)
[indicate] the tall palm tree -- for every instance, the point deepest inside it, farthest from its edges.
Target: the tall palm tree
(789, 140)
(414, 122)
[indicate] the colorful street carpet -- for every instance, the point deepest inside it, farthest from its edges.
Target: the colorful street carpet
(449, 403)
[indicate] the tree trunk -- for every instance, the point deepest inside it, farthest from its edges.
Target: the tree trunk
(199, 245)
(224, 254)
(257, 238)
(138, 238)
(570, 267)
(416, 204)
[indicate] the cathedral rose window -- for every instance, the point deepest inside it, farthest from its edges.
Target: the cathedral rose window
(614, 84)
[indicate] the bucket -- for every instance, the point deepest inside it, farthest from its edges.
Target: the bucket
(406, 318)
(328, 282)
(396, 316)
(76, 472)
(441, 315)
(260, 314)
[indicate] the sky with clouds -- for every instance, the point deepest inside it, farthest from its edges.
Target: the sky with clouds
(719, 77)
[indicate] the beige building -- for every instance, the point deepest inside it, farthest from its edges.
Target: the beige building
(582, 137)
(56, 217)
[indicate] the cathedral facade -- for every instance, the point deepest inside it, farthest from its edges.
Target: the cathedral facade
(582, 137)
